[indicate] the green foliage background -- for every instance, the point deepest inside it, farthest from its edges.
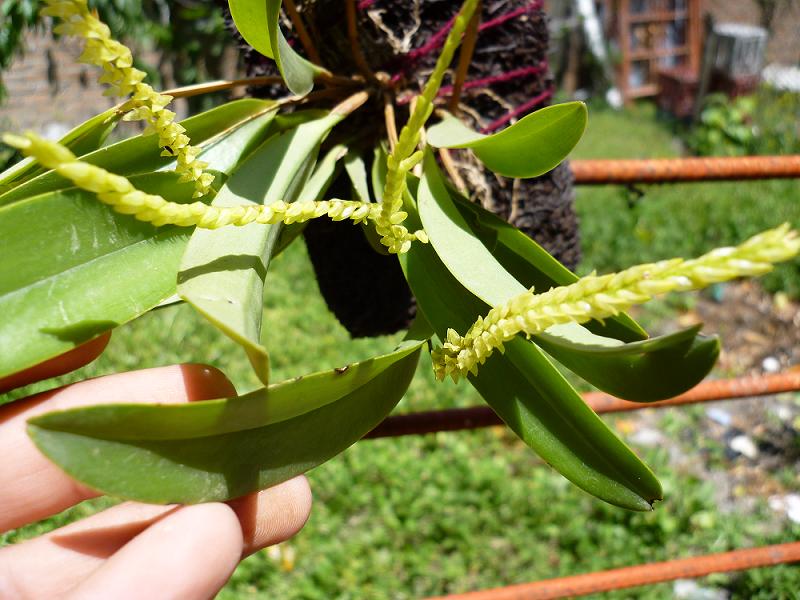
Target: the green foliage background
(188, 34)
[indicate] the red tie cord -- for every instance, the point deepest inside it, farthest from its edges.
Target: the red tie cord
(483, 416)
(520, 110)
(501, 78)
(615, 579)
(665, 170)
(485, 81)
(512, 14)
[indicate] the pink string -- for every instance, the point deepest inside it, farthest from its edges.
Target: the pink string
(436, 40)
(522, 108)
(499, 20)
(502, 77)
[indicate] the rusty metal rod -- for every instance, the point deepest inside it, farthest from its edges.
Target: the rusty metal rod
(670, 170)
(626, 577)
(483, 416)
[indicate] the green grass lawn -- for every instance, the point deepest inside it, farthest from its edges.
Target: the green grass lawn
(415, 516)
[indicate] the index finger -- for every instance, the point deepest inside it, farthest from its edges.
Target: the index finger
(31, 487)
(67, 362)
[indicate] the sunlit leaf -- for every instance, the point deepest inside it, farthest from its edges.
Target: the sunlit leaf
(84, 138)
(258, 22)
(223, 270)
(80, 268)
(141, 154)
(647, 371)
(234, 446)
(530, 147)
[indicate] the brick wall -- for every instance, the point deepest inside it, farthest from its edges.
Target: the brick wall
(48, 90)
(784, 43)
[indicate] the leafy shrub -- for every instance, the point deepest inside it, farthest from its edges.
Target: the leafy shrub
(763, 123)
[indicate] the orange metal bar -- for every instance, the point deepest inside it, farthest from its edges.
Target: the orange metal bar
(483, 416)
(665, 170)
(683, 568)
(712, 390)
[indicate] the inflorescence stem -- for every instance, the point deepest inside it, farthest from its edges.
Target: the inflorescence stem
(145, 104)
(122, 196)
(599, 297)
(405, 154)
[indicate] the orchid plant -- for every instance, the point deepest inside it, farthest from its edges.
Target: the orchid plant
(95, 236)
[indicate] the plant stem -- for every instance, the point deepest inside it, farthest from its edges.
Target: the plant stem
(465, 58)
(301, 31)
(391, 122)
(209, 87)
(355, 46)
(405, 155)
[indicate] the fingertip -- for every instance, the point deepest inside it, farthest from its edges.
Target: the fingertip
(273, 515)
(190, 553)
(65, 363)
(204, 382)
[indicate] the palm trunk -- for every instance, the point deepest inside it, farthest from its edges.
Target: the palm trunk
(507, 78)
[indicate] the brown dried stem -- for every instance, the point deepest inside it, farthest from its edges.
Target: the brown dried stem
(355, 46)
(301, 31)
(220, 85)
(391, 122)
(465, 58)
(452, 170)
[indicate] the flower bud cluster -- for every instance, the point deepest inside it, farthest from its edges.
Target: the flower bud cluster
(405, 157)
(123, 197)
(123, 79)
(599, 297)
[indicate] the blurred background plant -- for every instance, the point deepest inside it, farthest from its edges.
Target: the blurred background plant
(762, 123)
(187, 37)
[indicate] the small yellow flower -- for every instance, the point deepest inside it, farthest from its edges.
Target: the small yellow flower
(405, 157)
(122, 196)
(145, 104)
(599, 297)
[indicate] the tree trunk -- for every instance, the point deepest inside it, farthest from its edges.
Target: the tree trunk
(507, 79)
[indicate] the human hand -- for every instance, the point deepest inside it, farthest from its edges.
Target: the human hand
(131, 550)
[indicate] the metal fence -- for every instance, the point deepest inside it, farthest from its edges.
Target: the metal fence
(629, 172)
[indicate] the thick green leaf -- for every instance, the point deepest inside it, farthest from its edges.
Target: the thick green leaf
(463, 254)
(258, 22)
(643, 372)
(646, 371)
(250, 17)
(234, 446)
(357, 172)
(533, 398)
(528, 148)
(223, 270)
(278, 402)
(141, 154)
(314, 189)
(86, 137)
(73, 268)
(531, 264)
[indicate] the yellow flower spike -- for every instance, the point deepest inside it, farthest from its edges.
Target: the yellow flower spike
(405, 155)
(124, 80)
(122, 196)
(594, 297)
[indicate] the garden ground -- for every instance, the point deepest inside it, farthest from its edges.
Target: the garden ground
(416, 516)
